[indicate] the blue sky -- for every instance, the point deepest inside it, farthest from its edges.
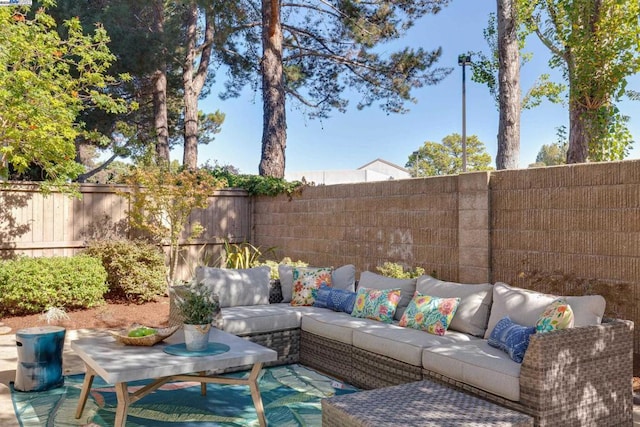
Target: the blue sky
(352, 139)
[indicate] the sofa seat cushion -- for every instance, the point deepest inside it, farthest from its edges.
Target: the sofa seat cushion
(253, 319)
(403, 344)
(333, 325)
(478, 364)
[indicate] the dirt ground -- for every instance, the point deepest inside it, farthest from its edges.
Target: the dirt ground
(112, 315)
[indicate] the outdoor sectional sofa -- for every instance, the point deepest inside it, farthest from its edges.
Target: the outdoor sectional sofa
(576, 376)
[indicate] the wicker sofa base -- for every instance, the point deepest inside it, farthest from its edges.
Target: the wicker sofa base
(286, 343)
(329, 356)
(371, 370)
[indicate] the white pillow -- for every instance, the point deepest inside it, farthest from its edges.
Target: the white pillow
(407, 287)
(341, 278)
(524, 307)
(237, 287)
(472, 314)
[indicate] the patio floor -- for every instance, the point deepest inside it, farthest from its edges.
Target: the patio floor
(72, 365)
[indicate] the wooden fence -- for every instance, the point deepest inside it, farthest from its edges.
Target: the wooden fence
(34, 224)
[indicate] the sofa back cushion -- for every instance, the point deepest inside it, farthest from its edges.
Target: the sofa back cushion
(407, 288)
(341, 278)
(472, 314)
(237, 287)
(524, 307)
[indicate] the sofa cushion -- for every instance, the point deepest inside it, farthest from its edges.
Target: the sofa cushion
(478, 364)
(237, 287)
(472, 314)
(306, 282)
(376, 281)
(341, 278)
(333, 325)
(511, 338)
(557, 315)
(429, 314)
(335, 299)
(403, 344)
(245, 320)
(344, 278)
(376, 304)
(525, 307)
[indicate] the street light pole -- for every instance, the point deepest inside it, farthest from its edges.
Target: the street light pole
(464, 60)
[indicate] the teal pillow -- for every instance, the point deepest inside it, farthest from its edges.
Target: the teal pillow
(376, 304)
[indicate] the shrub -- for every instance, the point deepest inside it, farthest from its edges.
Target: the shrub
(273, 265)
(242, 255)
(393, 269)
(30, 285)
(135, 270)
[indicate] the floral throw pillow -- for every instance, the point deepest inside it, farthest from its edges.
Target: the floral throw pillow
(429, 314)
(306, 282)
(376, 304)
(511, 338)
(557, 315)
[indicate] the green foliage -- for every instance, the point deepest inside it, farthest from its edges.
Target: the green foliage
(332, 48)
(393, 269)
(446, 158)
(256, 185)
(198, 305)
(615, 137)
(31, 285)
(597, 46)
(47, 82)
(161, 202)
(555, 153)
(242, 255)
(135, 270)
(485, 69)
(273, 265)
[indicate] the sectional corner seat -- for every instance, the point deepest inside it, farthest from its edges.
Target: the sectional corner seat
(576, 376)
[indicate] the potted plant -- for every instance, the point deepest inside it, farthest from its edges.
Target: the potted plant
(199, 307)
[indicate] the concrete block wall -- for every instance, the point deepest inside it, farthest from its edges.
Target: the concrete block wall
(438, 223)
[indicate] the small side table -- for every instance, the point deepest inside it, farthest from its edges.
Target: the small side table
(39, 358)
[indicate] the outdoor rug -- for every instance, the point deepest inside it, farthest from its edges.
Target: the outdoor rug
(290, 395)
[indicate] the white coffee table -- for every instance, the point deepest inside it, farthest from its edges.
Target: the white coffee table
(119, 364)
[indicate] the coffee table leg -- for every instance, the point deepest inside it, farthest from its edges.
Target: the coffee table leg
(86, 386)
(123, 404)
(255, 393)
(203, 385)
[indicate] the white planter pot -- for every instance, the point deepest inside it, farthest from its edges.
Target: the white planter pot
(196, 337)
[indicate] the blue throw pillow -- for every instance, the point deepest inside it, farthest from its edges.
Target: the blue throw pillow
(322, 297)
(511, 338)
(341, 300)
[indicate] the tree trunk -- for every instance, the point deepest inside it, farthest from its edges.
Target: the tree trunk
(190, 156)
(193, 81)
(509, 87)
(578, 151)
(274, 127)
(161, 122)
